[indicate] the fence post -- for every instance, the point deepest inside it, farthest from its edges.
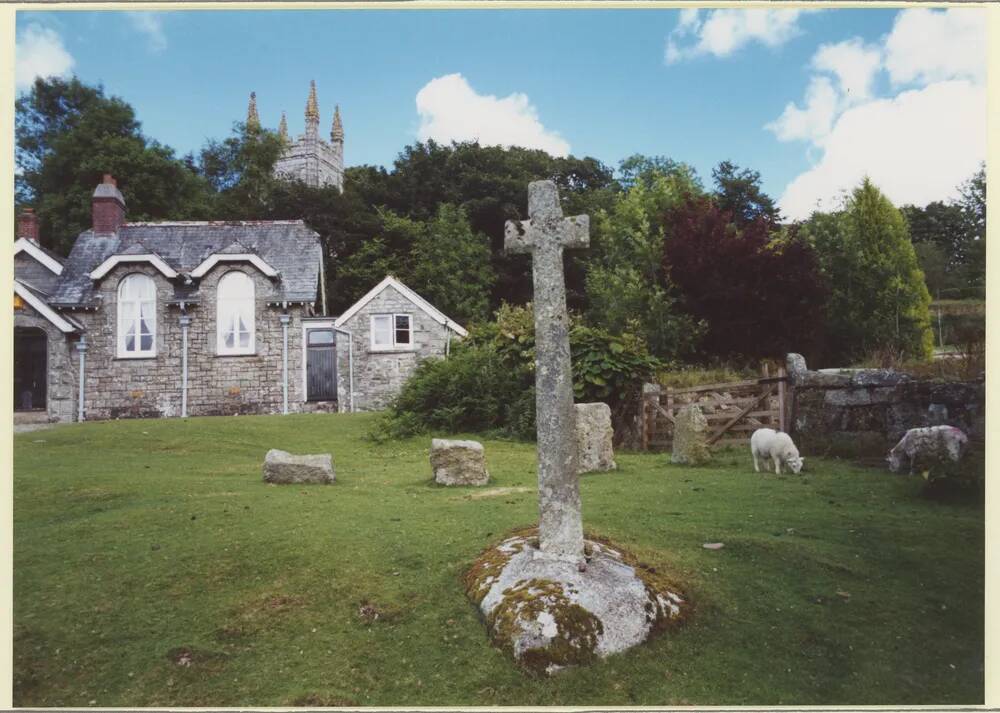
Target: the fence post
(782, 394)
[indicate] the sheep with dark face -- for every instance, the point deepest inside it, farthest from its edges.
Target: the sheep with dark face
(767, 443)
(928, 445)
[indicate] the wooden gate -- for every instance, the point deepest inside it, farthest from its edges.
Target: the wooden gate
(733, 411)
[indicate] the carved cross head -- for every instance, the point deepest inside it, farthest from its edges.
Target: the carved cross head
(547, 224)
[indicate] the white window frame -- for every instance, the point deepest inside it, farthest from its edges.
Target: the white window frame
(221, 324)
(393, 345)
(121, 328)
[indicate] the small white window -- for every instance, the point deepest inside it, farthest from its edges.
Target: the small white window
(391, 331)
(235, 315)
(136, 317)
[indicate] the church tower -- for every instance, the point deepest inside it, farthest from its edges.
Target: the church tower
(309, 158)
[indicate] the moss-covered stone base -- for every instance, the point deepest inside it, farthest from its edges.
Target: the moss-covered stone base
(549, 614)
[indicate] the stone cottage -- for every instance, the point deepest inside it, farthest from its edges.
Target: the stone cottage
(202, 318)
(391, 330)
(168, 319)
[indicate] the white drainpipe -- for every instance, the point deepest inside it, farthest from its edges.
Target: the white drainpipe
(350, 362)
(81, 348)
(284, 361)
(185, 323)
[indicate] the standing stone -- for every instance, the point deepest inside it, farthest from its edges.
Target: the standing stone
(283, 467)
(458, 462)
(544, 236)
(690, 437)
(594, 437)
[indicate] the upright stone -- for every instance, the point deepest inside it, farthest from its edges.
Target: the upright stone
(544, 236)
(690, 437)
(594, 438)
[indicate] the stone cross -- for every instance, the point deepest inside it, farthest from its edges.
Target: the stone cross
(544, 236)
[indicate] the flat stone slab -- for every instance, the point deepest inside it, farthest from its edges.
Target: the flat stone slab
(594, 437)
(549, 613)
(458, 462)
(282, 467)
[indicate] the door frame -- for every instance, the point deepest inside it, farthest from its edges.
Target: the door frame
(308, 324)
(33, 332)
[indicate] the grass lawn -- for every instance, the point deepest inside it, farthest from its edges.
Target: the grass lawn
(153, 567)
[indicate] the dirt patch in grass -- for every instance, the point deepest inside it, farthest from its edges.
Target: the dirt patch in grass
(257, 614)
(370, 612)
(188, 657)
(319, 700)
(493, 493)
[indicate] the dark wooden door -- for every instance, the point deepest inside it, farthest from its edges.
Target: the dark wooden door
(321, 365)
(30, 369)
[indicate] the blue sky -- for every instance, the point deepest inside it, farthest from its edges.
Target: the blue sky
(751, 86)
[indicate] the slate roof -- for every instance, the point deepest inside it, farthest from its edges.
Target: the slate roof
(289, 246)
(55, 256)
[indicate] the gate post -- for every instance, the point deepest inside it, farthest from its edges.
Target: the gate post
(649, 391)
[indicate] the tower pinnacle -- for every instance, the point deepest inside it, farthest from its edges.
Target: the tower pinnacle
(337, 132)
(283, 127)
(312, 106)
(253, 120)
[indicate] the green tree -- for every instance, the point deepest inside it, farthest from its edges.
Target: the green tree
(879, 299)
(973, 202)
(68, 134)
(739, 193)
(240, 169)
(627, 288)
(450, 266)
(639, 168)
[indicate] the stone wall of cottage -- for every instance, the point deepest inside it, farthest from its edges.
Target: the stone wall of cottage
(379, 375)
(867, 411)
(217, 384)
(60, 398)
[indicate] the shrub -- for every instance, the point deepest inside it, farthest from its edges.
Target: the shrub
(487, 384)
(472, 390)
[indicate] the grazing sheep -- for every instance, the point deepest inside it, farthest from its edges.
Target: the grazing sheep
(933, 443)
(776, 445)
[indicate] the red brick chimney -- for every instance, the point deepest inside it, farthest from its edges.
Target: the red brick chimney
(27, 225)
(107, 206)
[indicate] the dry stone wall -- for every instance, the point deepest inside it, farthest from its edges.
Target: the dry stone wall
(866, 411)
(217, 384)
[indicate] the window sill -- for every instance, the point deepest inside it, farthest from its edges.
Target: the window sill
(223, 355)
(391, 350)
(133, 357)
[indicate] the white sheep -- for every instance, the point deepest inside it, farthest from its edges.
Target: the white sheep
(776, 445)
(928, 444)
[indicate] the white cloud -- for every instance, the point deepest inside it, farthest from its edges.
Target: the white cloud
(916, 147)
(39, 52)
(723, 32)
(451, 110)
(151, 25)
(931, 46)
(854, 65)
(812, 123)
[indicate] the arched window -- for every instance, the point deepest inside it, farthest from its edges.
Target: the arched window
(235, 314)
(137, 317)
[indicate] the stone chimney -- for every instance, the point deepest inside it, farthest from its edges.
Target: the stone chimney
(107, 206)
(27, 225)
